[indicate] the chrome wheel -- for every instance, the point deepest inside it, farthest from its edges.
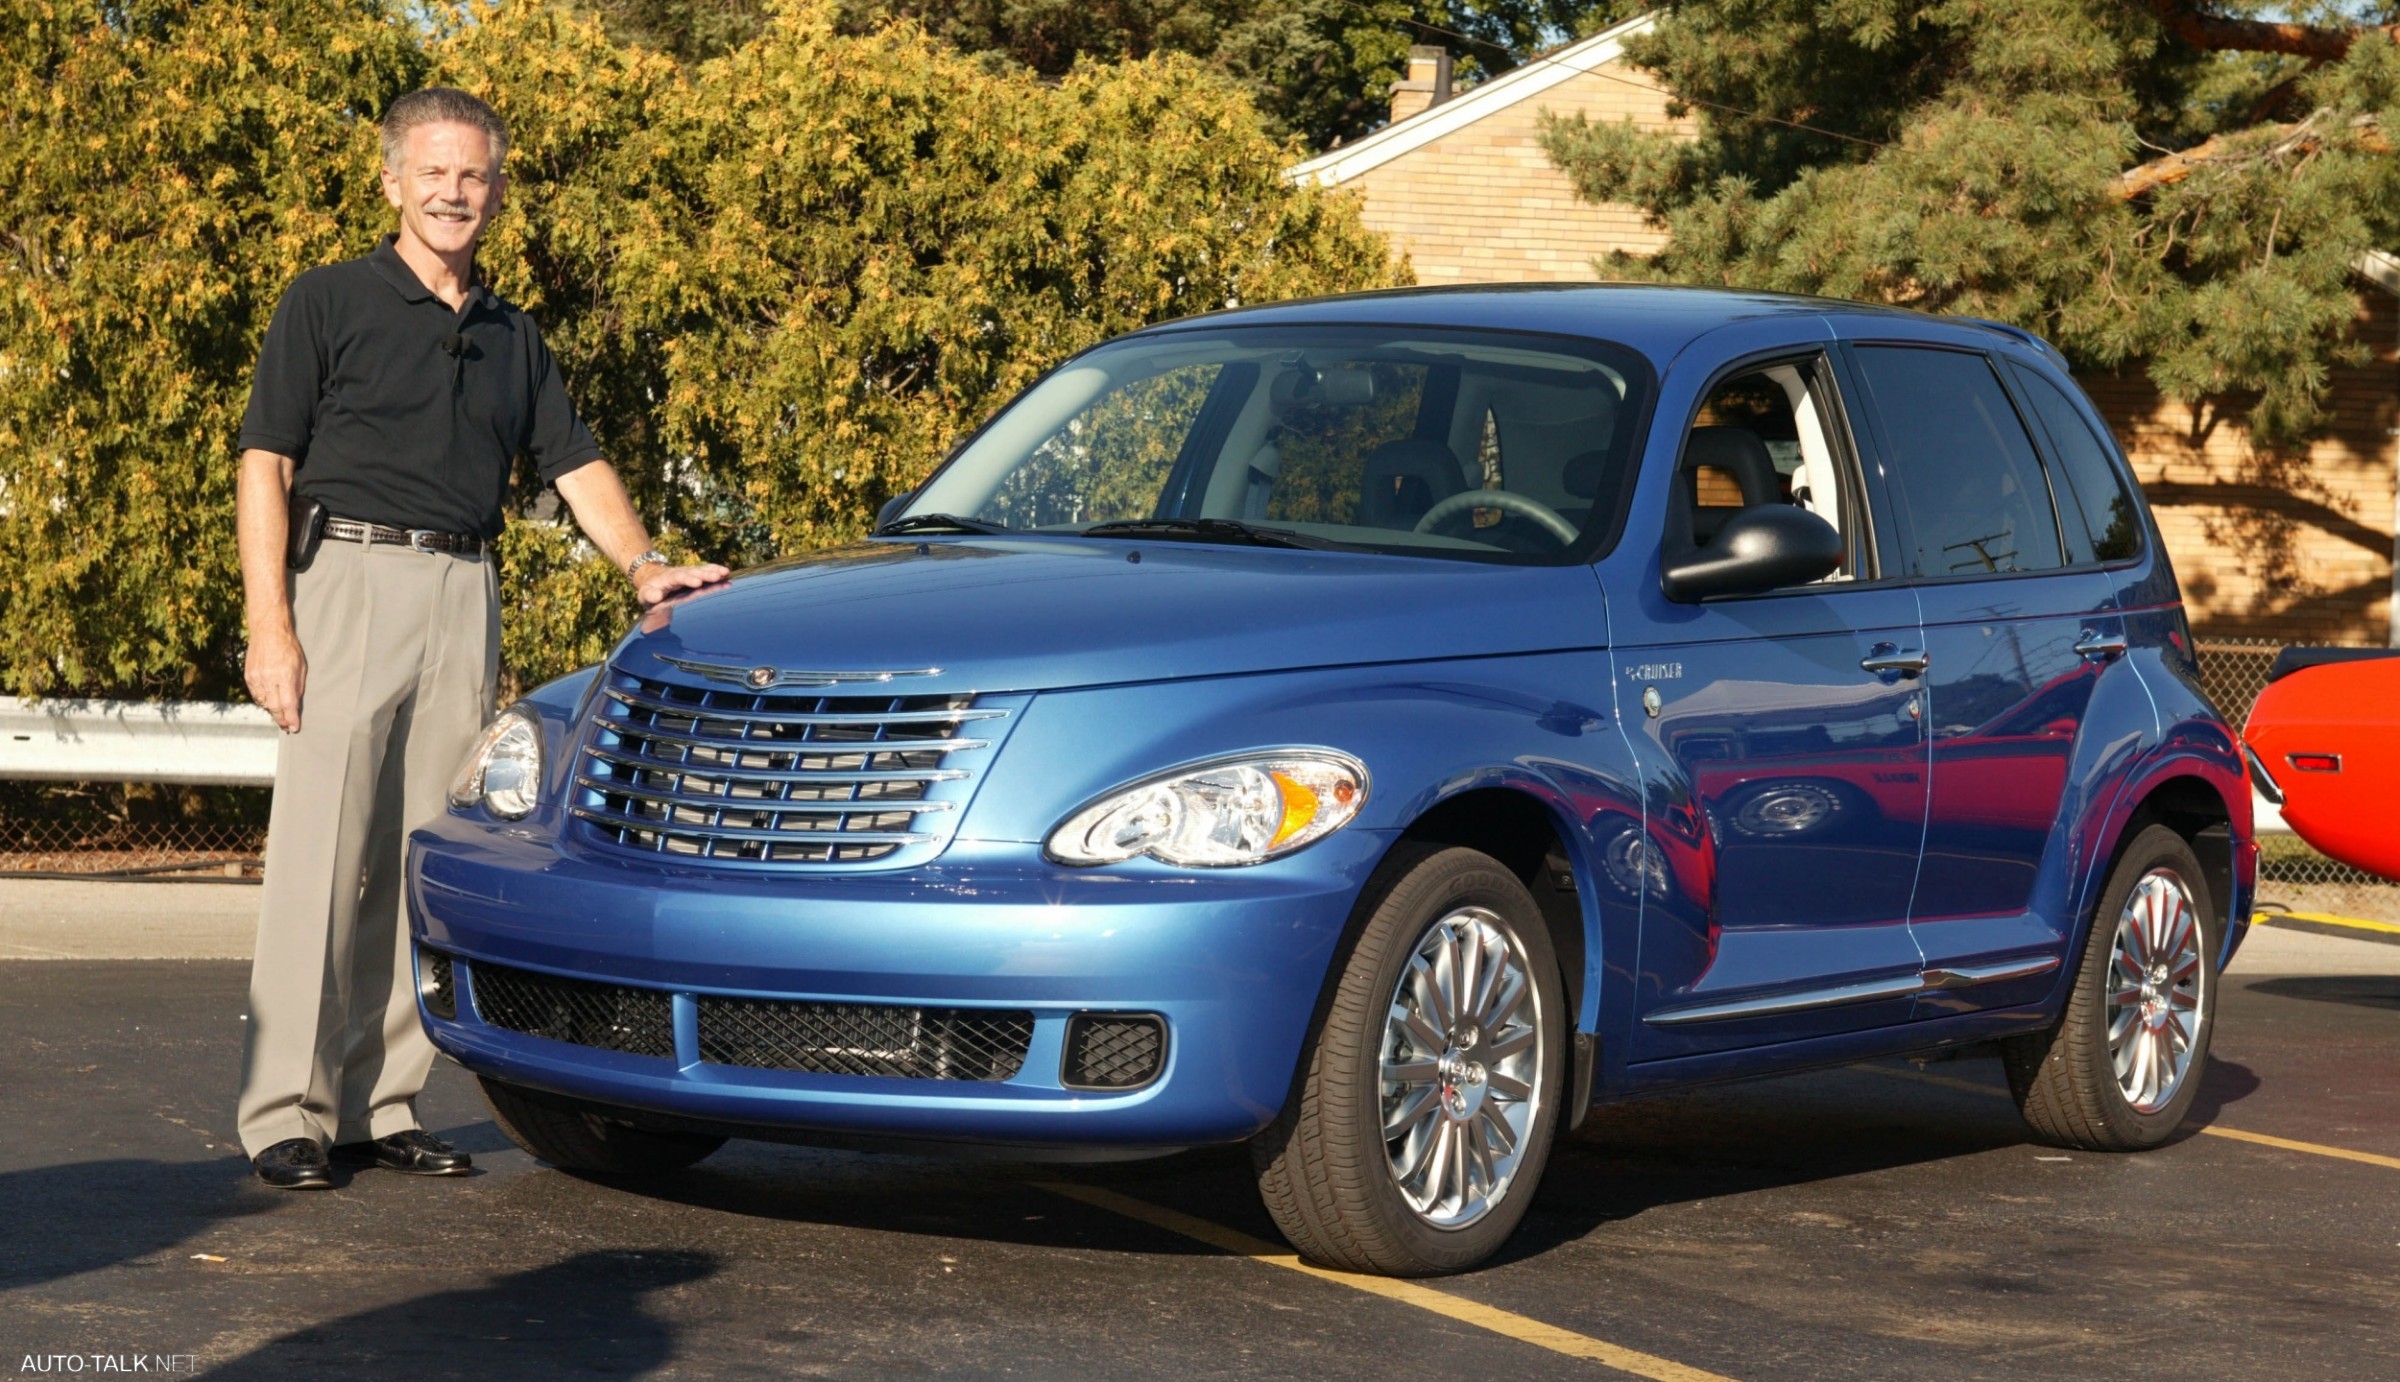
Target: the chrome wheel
(1787, 808)
(1462, 1069)
(2156, 991)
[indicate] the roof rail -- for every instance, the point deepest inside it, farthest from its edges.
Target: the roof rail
(2019, 334)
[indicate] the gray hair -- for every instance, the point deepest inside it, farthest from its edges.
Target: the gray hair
(437, 105)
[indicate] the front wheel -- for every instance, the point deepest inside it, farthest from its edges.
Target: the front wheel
(2122, 1067)
(1427, 1104)
(572, 1139)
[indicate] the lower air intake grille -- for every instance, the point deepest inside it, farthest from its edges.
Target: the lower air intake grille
(1114, 1050)
(434, 981)
(611, 1017)
(857, 1039)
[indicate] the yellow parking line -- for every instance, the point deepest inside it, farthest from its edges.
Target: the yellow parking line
(2211, 1130)
(1502, 1322)
(2381, 928)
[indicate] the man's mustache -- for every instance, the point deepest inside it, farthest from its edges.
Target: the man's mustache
(461, 208)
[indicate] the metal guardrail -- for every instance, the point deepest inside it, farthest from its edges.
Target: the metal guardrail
(196, 743)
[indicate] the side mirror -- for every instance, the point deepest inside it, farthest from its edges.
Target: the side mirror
(1764, 547)
(891, 509)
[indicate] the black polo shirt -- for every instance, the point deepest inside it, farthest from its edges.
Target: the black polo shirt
(401, 411)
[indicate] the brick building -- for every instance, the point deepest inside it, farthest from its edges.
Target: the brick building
(2293, 546)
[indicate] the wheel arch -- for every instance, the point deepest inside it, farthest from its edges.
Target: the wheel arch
(2186, 798)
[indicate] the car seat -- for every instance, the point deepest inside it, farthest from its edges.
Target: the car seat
(1738, 452)
(1402, 480)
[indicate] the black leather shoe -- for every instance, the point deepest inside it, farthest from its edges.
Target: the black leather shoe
(296, 1163)
(415, 1152)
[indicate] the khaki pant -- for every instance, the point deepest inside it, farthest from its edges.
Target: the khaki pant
(403, 653)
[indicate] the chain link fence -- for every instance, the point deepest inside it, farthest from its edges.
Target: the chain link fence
(152, 830)
(131, 830)
(2291, 876)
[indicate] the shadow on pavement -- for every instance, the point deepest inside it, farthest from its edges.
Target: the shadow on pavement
(2226, 1082)
(87, 1215)
(587, 1316)
(2373, 991)
(1629, 1159)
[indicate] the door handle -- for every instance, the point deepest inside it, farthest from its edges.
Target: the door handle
(1892, 662)
(2100, 647)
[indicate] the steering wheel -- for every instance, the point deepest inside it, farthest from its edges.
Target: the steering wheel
(1506, 502)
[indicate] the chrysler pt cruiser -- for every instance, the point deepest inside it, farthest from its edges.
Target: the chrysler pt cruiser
(1378, 729)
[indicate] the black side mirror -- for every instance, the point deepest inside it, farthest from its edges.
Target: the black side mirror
(891, 509)
(1761, 548)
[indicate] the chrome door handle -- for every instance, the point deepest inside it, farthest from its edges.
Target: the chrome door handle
(1892, 662)
(2100, 646)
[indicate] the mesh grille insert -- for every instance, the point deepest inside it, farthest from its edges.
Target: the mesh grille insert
(773, 778)
(860, 1039)
(610, 1017)
(436, 983)
(1114, 1050)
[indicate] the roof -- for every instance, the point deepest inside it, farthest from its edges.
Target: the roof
(1654, 318)
(1517, 84)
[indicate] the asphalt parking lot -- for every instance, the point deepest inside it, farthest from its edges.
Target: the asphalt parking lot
(1881, 1221)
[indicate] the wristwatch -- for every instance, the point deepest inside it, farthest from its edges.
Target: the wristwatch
(653, 557)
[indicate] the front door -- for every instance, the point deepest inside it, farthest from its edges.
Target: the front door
(1787, 788)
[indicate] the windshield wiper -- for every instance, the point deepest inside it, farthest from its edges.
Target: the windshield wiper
(938, 523)
(1211, 530)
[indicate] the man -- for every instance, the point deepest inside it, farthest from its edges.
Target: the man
(396, 391)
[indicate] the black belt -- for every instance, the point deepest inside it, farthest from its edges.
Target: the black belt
(416, 539)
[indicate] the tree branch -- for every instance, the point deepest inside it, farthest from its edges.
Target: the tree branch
(2217, 33)
(2301, 136)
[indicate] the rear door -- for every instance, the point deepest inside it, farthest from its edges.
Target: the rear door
(2016, 633)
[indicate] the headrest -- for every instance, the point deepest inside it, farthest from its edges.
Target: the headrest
(1738, 452)
(1382, 481)
(1584, 473)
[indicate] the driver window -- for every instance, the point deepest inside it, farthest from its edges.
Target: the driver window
(1760, 438)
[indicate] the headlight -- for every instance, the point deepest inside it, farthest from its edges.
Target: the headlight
(1238, 810)
(504, 769)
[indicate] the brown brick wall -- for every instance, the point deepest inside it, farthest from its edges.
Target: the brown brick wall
(2293, 545)
(1485, 205)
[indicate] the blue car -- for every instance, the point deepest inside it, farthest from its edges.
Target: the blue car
(1377, 729)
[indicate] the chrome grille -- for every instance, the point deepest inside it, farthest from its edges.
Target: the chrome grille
(865, 1039)
(744, 777)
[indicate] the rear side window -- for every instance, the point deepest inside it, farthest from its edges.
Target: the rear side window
(2095, 511)
(1967, 473)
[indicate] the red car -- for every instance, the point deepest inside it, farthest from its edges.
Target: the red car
(2324, 743)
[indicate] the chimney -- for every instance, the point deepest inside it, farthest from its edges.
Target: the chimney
(1427, 84)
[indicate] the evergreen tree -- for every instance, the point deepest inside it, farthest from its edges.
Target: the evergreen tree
(2176, 183)
(1318, 69)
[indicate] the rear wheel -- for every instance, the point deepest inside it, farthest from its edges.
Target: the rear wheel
(2123, 1066)
(573, 1139)
(1427, 1105)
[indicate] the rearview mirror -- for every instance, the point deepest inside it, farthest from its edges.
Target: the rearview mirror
(1764, 547)
(891, 509)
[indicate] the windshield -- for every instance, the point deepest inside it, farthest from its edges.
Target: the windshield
(1442, 443)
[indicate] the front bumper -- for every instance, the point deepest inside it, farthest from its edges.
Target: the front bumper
(1234, 960)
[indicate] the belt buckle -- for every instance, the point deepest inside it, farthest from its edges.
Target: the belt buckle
(419, 540)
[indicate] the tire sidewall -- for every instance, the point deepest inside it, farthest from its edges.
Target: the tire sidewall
(1440, 885)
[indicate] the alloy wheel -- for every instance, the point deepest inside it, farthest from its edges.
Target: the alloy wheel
(1462, 1069)
(2156, 991)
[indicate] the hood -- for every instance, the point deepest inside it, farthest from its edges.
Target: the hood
(1036, 614)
